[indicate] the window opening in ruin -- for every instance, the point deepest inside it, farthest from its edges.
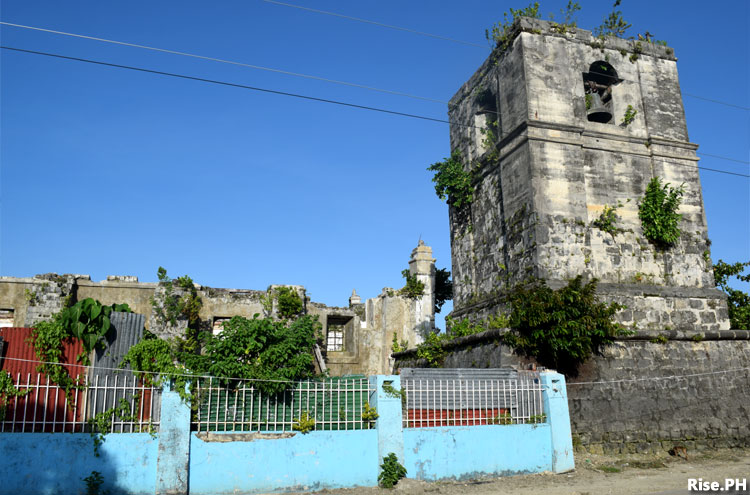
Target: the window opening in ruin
(218, 324)
(486, 118)
(337, 327)
(6, 318)
(335, 339)
(597, 85)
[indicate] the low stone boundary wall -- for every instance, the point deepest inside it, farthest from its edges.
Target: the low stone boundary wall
(642, 394)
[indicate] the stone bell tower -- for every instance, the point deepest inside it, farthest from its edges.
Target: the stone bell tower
(544, 127)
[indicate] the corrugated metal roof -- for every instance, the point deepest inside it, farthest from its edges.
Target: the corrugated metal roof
(19, 355)
(20, 361)
(126, 331)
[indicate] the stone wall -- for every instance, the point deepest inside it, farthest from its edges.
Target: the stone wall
(549, 173)
(367, 329)
(705, 403)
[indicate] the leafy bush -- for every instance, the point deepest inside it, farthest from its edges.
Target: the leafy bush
(501, 34)
(304, 424)
(257, 349)
(414, 289)
(607, 221)
(390, 471)
(658, 213)
(94, 483)
(369, 415)
(443, 288)
(560, 328)
(89, 322)
(432, 349)
(452, 181)
(613, 25)
(290, 304)
(738, 301)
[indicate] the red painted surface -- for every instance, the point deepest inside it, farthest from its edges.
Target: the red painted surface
(425, 418)
(46, 402)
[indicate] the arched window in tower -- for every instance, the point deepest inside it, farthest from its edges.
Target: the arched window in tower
(597, 84)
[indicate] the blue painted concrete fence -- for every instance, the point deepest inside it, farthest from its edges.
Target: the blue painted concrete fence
(181, 462)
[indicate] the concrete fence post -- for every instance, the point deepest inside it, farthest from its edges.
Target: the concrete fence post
(389, 423)
(556, 409)
(174, 444)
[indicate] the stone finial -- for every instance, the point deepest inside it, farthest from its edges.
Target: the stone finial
(354, 299)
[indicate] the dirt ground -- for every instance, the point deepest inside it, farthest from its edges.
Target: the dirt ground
(594, 475)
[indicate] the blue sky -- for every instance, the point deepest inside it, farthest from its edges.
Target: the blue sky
(109, 171)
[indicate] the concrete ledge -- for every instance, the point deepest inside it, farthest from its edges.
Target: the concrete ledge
(241, 437)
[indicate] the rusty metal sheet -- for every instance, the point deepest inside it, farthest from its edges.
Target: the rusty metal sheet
(19, 355)
(46, 401)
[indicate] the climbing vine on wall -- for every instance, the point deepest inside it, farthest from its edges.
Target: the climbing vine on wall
(452, 182)
(7, 391)
(87, 321)
(178, 299)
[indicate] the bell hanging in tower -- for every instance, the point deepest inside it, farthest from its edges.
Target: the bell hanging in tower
(598, 111)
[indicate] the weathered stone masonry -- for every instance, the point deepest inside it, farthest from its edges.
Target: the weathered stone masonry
(551, 172)
(539, 187)
(356, 339)
(645, 412)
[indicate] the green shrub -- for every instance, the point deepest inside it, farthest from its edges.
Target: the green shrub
(304, 424)
(414, 289)
(658, 213)
(738, 302)
(290, 304)
(501, 34)
(560, 328)
(390, 471)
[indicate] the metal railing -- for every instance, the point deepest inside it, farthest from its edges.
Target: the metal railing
(334, 404)
(45, 407)
(474, 401)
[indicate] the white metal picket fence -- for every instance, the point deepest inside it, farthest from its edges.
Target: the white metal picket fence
(473, 401)
(334, 404)
(44, 406)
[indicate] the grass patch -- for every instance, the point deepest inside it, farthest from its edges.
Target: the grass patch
(609, 469)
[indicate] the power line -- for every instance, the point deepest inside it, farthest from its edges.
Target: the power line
(422, 33)
(224, 83)
(282, 71)
(722, 157)
(285, 93)
(717, 170)
(717, 101)
(367, 21)
(225, 61)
